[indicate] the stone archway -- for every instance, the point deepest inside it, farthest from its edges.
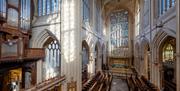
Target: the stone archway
(40, 40)
(157, 73)
(85, 61)
(167, 58)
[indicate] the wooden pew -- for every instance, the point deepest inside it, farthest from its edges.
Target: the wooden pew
(151, 86)
(100, 82)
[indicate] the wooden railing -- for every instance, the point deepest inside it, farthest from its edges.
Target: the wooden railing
(50, 84)
(34, 53)
(28, 54)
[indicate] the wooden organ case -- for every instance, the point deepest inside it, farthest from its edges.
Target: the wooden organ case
(15, 31)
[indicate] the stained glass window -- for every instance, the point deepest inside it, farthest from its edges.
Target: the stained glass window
(51, 65)
(168, 60)
(86, 10)
(146, 13)
(3, 8)
(97, 18)
(119, 29)
(168, 53)
(46, 7)
(164, 5)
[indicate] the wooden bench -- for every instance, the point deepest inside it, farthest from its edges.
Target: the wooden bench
(100, 82)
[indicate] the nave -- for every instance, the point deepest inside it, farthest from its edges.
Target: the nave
(119, 84)
(89, 45)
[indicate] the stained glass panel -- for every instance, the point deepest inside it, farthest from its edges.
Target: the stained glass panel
(168, 53)
(119, 29)
(52, 60)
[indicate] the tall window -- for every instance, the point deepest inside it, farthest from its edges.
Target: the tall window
(98, 18)
(46, 7)
(2, 8)
(51, 65)
(119, 29)
(86, 11)
(164, 5)
(25, 14)
(146, 13)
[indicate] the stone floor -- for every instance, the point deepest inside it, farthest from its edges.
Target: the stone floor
(118, 84)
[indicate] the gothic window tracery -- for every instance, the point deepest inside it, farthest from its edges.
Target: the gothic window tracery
(168, 52)
(164, 5)
(46, 7)
(52, 60)
(86, 11)
(119, 29)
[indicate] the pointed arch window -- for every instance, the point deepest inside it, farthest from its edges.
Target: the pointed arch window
(119, 29)
(52, 62)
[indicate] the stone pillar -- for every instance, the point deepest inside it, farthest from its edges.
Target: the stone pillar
(178, 46)
(39, 71)
(26, 73)
(71, 43)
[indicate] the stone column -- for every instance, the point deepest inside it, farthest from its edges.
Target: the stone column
(71, 43)
(178, 46)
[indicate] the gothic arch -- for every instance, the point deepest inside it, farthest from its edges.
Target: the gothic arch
(41, 39)
(85, 61)
(157, 41)
(96, 54)
(85, 44)
(160, 38)
(145, 53)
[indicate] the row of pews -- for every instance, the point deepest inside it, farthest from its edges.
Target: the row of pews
(136, 83)
(100, 82)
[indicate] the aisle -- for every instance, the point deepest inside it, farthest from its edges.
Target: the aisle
(119, 84)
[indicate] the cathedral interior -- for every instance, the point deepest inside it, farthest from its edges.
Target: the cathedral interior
(89, 45)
